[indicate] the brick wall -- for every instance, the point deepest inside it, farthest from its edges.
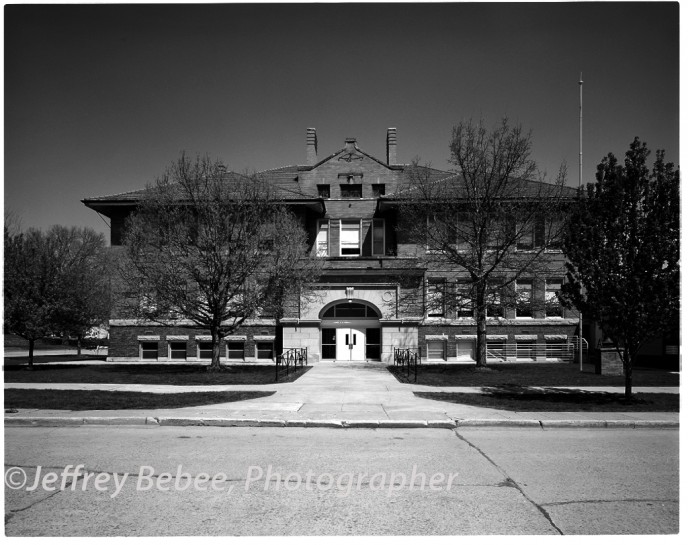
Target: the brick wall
(124, 343)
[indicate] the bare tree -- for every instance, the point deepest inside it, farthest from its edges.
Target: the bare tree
(214, 248)
(54, 282)
(491, 223)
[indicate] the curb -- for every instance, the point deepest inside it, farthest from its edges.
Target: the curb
(73, 421)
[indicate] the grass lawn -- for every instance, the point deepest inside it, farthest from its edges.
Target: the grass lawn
(557, 399)
(22, 361)
(535, 374)
(183, 375)
(91, 400)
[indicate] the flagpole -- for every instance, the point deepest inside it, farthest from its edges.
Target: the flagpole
(580, 189)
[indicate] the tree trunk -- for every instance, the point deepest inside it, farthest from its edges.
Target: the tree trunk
(215, 361)
(481, 345)
(31, 345)
(78, 345)
(628, 373)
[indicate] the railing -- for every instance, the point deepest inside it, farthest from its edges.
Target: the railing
(407, 357)
(575, 341)
(512, 352)
(290, 358)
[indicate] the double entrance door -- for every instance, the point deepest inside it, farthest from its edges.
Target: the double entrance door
(351, 342)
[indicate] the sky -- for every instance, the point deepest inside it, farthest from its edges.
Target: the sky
(100, 99)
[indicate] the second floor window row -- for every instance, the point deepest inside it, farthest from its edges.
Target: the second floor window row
(457, 299)
(463, 235)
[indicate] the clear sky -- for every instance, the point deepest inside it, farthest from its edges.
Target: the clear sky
(100, 99)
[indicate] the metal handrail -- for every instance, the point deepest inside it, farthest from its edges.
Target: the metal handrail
(564, 351)
(407, 357)
(291, 357)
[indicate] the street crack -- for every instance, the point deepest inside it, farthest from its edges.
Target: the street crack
(509, 482)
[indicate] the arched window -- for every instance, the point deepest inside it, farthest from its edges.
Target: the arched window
(351, 310)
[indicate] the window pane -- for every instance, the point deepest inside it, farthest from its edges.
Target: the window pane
(329, 343)
(149, 350)
(351, 310)
(351, 191)
(235, 350)
(525, 350)
(264, 351)
(324, 191)
(464, 300)
(465, 350)
(524, 299)
(322, 240)
(464, 234)
(525, 237)
(378, 237)
(496, 350)
(178, 350)
(378, 190)
(435, 302)
(552, 306)
(493, 297)
(205, 350)
(435, 350)
(350, 238)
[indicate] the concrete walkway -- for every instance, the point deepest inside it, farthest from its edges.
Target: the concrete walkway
(337, 394)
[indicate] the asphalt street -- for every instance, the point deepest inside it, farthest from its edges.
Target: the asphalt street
(155, 481)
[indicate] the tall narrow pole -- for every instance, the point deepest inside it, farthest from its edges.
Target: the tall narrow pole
(580, 190)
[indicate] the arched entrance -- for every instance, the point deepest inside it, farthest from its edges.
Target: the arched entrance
(350, 331)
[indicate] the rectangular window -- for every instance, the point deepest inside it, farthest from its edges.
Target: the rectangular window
(205, 350)
(235, 350)
(149, 350)
(464, 300)
(437, 234)
(496, 350)
(524, 299)
(324, 191)
(464, 234)
(435, 299)
(495, 236)
(329, 343)
(351, 191)
(350, 237)
(378, 190)
(178, 350)
(378, 237)
(264, 350)
(558, 350)
(465, 350)
(373, 343)
(436, 350)
(322, 242)
(553, 308)
(525, 236)
(493, 298)
(525, 350)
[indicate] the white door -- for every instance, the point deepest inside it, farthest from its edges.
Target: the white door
(351, 344)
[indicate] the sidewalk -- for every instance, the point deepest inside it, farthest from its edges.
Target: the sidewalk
(334, 395)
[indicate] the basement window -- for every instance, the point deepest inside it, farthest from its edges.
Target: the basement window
(177, 350)
(235, 350)
(205, 350)
(149, 350)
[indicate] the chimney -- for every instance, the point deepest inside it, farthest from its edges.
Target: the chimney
(311, 147)
(391, 146)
